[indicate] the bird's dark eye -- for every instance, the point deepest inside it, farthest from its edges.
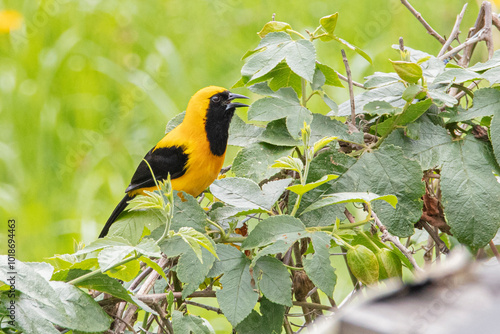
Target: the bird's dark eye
(216, 99)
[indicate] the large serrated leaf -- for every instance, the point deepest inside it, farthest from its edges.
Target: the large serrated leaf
(274, 280)
(485, 103)
(269, 319)
(318, 266)
(387, 171)
(254, 162)
(471, 193)
(244, 193)
(275, 228)
(237, 297)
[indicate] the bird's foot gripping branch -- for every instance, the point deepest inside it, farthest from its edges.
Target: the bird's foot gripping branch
(405, 167)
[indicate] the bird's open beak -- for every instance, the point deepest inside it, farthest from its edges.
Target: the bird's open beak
(236, 104)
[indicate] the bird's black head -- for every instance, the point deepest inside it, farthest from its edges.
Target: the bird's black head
(219, 114)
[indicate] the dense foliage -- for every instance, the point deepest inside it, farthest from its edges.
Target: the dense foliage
(421, 153)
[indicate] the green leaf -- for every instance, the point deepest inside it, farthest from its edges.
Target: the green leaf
(275, 228)
(268, 321)
(243, 134)
(324, 126)
(272, 108)
(387, 171)
(470, 192)
(347, 197)
(379, 79)
(187, 324)
(485, 103)
(276, 133)
(363, 264)
(279, 77)
(229, 258)
(302, 189)
(130, 224)
(354, 48)
(492, 75)
(494, 135)
(331, 77)
(80, 307)
(274, 280)
(408, 71)
(245, 193)
(31, 283)
(110, 256)
(125, 272)
(329, 23)
(237, 297)
(175, 121)
(192, 271)
(456, 75)
(289, 163)
(188, 213)
(318, 266)
(154, 265)
(390, 93)
(254, 161)
(380, 108)
(174, 246)
(441, 98)
(299, 55)
(195, 239)
(430, 150)
(411, 92)
(273, 26)
(101, 282)
(325, 163)
(490, 63)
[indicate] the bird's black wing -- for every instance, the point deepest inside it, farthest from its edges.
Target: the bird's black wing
(163, 160)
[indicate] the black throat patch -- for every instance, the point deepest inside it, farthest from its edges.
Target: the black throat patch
(217, 125)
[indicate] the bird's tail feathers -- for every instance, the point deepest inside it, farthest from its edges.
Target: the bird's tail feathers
(116, 212)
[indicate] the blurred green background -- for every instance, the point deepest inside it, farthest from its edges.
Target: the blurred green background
(86, 88)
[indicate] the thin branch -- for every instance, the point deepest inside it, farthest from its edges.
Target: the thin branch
(424, 23)
(440, 243)
(206, 307)
(494, 250)
(468, 43)
(482, 27)
(355, 83)
(314, 306)
(454, 32)
(351, 92)
(386, 236)
(495, 20)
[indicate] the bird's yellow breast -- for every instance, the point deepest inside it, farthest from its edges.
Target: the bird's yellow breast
(202, 166)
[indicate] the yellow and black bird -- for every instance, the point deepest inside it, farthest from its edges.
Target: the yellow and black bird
(192, 153)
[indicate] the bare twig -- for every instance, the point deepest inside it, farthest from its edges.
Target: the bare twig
(480, 32)
(424, 23)
(440, 243)
(206, 307)
(314, 306)
(494, 250)
(468, 43)
(355, 83)
(454, 32)
(351, 92)
(386, 236)
(495, 20)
